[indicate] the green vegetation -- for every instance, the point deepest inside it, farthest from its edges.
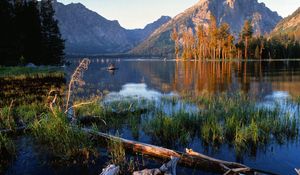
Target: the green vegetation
(172, 130)
(28, 72)
(7, 150)
(6, 118)
(116, 151)
(224, 119)
(22, 85)
(61, 138)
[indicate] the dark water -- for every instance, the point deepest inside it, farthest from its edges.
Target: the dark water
(153, 79)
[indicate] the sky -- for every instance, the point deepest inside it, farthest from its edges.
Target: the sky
(133, 14)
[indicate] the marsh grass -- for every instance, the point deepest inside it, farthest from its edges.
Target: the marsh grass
(116, 151)
(233, 119)
(170, 131)
(62, 139)
(7, 120)
(113, 115)
(7, 147)
(9, 73)
(126, 106)
(128, 162)
(7, 151)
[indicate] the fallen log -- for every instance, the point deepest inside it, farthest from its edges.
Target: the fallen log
(111, 170)
(189, 159)
(166, 169)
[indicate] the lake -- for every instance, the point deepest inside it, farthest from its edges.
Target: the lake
(270, 83)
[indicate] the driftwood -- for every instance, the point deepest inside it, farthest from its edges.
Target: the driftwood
(189, 159)
(111, 170)
(298, 171)
(166, 169)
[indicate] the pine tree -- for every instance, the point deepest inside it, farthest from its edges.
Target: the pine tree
(246, 35)
(257, 52)
(8, 53)
(33, 33)
(53, 44)
(213, 36)
(175, 38)
(201, 46)
(223, 34)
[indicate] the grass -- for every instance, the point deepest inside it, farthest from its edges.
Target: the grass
(27, 72)
(7, 147)
(28, 85)
(7, 150)
(61, 138)
(116, 151)
(7, 120)
(170, 131)
(232, 119)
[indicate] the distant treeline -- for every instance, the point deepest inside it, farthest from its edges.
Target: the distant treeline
(217, 42)
(29, 33)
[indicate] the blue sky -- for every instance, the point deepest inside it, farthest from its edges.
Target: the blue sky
(137, 13)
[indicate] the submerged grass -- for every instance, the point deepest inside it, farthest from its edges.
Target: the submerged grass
(116, 151)
(63, 139)
(7, 150)
(170, 131)
(233, 119)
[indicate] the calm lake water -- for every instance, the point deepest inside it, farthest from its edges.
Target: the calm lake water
(268, 81)
(278, 78)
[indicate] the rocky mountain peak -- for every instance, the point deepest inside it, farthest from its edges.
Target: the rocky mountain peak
(87, 32)
(233, 12)
(289, 25)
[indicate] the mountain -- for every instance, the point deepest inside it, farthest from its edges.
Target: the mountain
(87, 32)
(289, 25)
(139, 35)
(233, 12)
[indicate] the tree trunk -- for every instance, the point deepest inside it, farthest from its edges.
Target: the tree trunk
(246, 48)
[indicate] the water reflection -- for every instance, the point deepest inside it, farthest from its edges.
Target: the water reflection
(136, 91)
(258, 78)
(139, 92)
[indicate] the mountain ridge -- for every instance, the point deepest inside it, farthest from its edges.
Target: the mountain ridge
(232, 12)
(289, 25)
(87, 32)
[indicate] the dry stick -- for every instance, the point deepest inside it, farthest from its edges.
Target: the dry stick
(9, 116)
(81, 104)
(52, 103)
(76, 78)
(190, 159)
